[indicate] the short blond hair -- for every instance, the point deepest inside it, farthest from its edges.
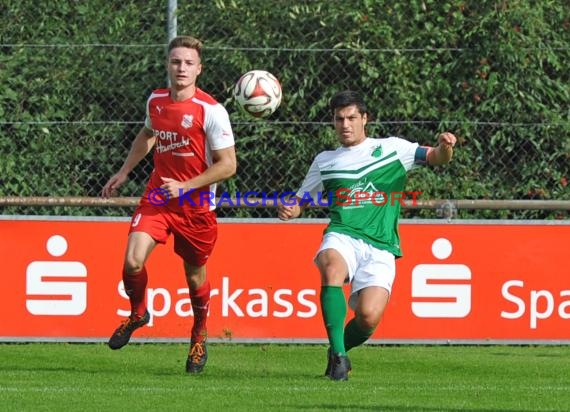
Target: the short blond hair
(186, 41)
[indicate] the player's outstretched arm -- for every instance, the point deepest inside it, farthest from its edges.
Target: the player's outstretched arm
(443, 152)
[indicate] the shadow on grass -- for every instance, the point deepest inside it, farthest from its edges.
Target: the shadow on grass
(380, 407)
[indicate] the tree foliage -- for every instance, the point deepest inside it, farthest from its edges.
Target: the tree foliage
(76, 75)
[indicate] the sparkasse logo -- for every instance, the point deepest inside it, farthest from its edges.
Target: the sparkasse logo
(50, 285)
(439, 290)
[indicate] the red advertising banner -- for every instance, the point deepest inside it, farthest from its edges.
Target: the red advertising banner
(457, 281)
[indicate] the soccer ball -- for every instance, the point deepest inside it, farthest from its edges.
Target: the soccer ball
(258, 92)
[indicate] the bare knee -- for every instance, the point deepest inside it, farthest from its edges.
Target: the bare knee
(370, 306)
(139, 246)
(331, 275)
(333, 268)
(132, 265)
(368, 319)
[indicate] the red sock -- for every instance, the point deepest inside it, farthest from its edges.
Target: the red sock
(200, 299)
(135, 287)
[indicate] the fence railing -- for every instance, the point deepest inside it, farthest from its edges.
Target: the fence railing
(444, 208)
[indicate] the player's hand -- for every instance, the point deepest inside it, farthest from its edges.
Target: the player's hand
(174, 188)
(288, 212)
(447, 139)
(110, 188)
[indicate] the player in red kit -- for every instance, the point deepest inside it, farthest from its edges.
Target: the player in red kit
(193, 150)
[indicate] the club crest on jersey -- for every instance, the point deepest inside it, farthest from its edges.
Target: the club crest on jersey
(377, 151)
(187, 121)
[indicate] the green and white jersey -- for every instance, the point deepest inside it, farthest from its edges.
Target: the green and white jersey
(364, 185)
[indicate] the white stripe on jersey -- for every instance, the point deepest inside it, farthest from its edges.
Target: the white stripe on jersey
(344, 175)
(183, 154)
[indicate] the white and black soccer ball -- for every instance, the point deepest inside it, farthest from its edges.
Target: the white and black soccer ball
(258, 92)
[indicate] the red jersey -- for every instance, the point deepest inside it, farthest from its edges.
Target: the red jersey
(186, 133)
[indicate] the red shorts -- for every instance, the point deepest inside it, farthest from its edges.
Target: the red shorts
(194, 234)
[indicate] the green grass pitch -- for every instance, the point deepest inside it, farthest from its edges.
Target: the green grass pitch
(273, 377)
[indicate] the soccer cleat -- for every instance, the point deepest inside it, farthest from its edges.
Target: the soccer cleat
(197, 357)
(330, 361)
(340, 367)
(123, 333)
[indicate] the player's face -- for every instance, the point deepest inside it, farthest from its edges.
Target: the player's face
(349, 125)
(183, 67)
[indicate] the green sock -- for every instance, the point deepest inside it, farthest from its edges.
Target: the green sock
(333, 306)
(354, 335)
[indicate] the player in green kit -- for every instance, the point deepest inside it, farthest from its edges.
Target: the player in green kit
(364, 179)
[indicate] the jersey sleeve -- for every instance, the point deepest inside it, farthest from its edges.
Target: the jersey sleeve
(218, 127)
(147, 122)
(406, 152)
(312, 184)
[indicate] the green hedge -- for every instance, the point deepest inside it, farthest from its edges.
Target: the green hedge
(494, 72)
